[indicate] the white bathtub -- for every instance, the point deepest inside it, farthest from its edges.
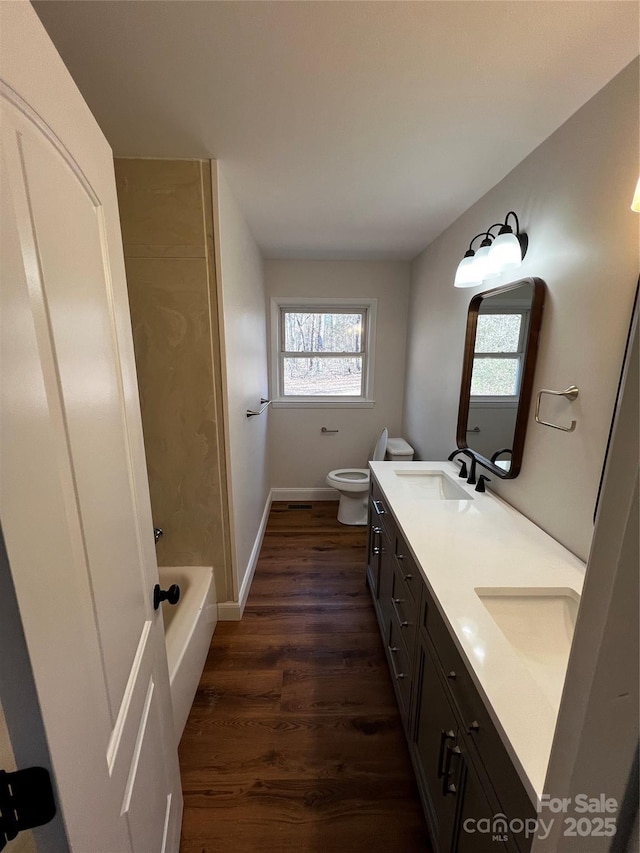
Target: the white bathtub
(188, 626)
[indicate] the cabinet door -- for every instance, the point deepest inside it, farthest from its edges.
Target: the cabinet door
(475, 806)
(385, 585)
(408, 567)
(400, 665)
(374, 551)
(435, 744)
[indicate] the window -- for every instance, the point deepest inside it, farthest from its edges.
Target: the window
(499, 355)
(321, 351)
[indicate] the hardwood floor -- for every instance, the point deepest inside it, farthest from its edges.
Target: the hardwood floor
(294, 742)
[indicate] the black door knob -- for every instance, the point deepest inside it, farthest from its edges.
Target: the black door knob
(172, 595)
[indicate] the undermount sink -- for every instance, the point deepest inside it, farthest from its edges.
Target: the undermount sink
(538, 622)
(435, 485)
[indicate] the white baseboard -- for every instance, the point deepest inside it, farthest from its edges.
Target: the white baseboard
(231, 611)
(318, 494)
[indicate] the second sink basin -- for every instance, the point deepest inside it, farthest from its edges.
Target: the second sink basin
(538, 622)
(435, 485)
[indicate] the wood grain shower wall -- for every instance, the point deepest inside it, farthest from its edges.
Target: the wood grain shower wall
(167, 231)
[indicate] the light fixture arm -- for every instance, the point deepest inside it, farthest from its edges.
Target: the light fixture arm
(505, 228)
(506, 220)
(485, 234)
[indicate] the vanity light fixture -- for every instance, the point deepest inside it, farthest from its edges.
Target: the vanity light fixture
(465, 274)
(483, 266)
(495, 255)
(635, 204)
(471, 268)
(508, 249)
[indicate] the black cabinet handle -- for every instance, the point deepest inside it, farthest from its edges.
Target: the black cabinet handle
(376, 549)
(451, 675)
(450, 787)
(407, 577)
(397, 675)
(474, 727)
(172, 595)
(444, 737)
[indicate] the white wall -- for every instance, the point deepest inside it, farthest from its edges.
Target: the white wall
(300, 455)
(240, 276)
(572, 195)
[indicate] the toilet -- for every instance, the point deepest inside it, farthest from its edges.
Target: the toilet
(353, 483)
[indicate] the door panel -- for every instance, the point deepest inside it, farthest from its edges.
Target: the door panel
(72, 254)
(149, 810)
(44, 543)
(74, 499)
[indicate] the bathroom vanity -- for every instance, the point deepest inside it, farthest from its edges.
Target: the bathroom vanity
(477, 607)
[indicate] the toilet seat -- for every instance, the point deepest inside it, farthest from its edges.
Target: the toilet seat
(349, 479)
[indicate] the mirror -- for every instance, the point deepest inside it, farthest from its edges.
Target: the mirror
(501, 344)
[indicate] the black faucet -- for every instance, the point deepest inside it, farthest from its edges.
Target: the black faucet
(471, 479)
(481, 481)
(463, 465)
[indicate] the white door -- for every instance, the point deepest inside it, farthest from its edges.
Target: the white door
(74, 501)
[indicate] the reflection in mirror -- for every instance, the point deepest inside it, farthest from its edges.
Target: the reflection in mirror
(502, 334)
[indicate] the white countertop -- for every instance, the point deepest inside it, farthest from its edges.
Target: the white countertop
(462, 545)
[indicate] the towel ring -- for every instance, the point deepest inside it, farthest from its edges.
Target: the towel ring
(570, 393)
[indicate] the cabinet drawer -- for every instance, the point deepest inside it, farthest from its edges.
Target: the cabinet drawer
(404, 608)
(401, 665)
(481, 734)
(408, 568)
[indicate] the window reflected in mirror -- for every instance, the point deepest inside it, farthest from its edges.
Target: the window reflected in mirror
(502, 334)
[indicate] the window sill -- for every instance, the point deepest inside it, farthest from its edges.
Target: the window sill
(493, 402)
(323, 404)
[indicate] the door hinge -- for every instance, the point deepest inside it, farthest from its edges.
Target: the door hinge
(26, 800)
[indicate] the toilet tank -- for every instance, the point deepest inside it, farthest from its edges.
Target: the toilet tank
(399, 450)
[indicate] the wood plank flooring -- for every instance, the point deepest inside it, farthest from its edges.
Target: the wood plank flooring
(294, 742)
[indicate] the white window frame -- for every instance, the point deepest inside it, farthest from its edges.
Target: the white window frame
(504, 400)
(323, 305)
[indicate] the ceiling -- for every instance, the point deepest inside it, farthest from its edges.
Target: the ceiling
(345, 129)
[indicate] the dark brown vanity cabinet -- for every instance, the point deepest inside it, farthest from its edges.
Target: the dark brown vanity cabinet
(439, 758)
(394, 599)
(382, 531)
(463, 770)
(456, 792)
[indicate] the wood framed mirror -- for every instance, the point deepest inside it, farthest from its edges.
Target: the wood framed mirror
(501, 345)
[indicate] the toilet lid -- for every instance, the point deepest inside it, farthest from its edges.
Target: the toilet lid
(381, 446)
